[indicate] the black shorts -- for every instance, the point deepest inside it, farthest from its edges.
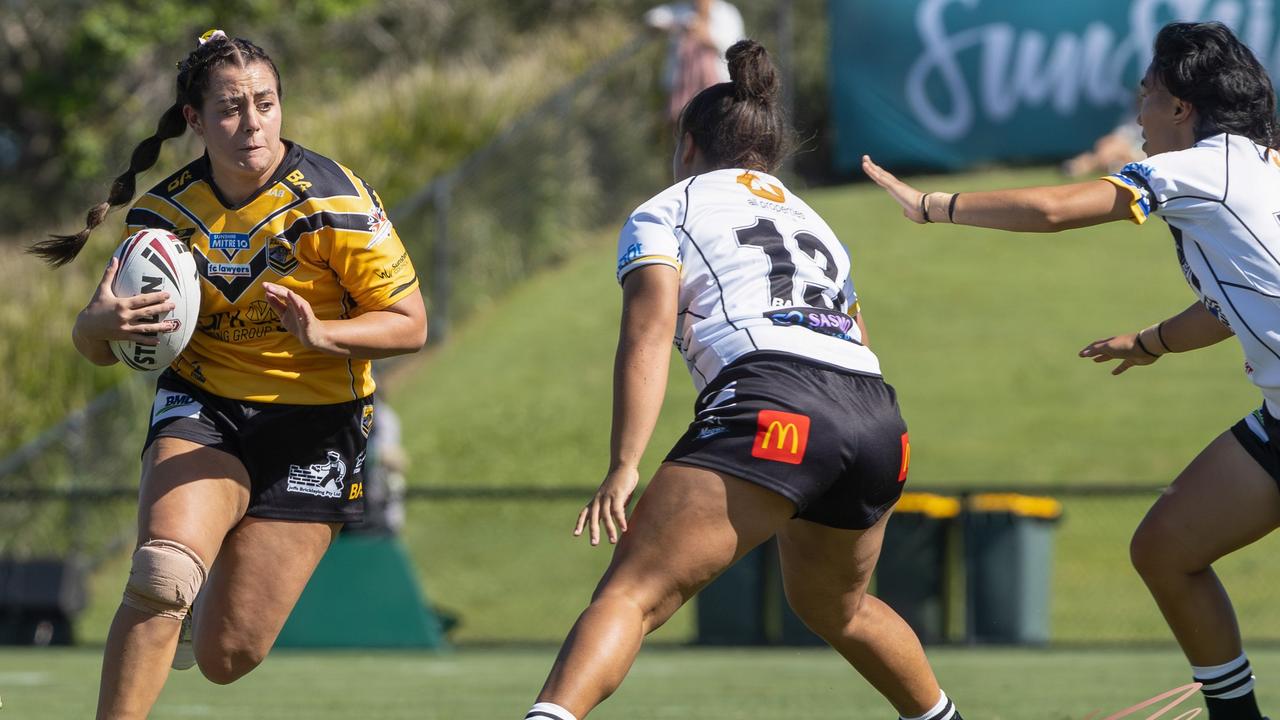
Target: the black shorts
(1259, 433)
(829, 440)
(305, 462)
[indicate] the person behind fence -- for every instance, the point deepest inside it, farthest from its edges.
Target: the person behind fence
(252, 461)
(795, 432)
(1212, 173)
(699, 35)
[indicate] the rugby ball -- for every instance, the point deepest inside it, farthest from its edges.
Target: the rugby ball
(154, 260)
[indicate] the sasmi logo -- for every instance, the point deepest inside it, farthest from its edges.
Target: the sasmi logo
(781, 436)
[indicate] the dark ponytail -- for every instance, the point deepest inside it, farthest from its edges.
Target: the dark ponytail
(215, 49)
(1206, 65)
(741, 124)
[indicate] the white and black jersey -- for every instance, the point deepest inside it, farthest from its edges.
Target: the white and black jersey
(759, 271)
(1221, 199)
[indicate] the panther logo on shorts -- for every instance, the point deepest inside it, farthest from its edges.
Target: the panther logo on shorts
(319, 479)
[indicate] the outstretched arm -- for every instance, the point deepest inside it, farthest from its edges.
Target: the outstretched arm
(1191, 329)
(1033, 209)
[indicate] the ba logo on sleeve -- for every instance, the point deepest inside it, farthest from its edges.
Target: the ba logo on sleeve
(781, 436)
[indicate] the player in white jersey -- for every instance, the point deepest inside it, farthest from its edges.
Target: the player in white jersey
(795, 433)
(1207, 109)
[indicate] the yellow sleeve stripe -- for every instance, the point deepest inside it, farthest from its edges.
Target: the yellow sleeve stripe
(651, 259)
(1136, 206)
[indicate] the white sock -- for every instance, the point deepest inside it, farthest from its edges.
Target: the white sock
(942, 710)
(548, 710)
(1226, 681)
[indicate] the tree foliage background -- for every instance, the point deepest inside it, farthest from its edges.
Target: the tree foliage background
(77, 77)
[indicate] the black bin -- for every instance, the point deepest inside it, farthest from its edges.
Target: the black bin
(912, 575)
(38, 600)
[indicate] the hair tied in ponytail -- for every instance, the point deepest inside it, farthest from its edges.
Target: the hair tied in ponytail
(210, 36)
(752, 73)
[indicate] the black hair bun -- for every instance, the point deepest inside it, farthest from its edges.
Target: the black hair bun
(752, 73)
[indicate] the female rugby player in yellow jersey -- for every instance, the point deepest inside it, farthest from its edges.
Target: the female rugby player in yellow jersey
(796, 434)
(254, 455)
(1208, 115)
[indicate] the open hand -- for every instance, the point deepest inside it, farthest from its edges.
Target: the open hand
(1121, 347)
(905, 195)
(297, 316)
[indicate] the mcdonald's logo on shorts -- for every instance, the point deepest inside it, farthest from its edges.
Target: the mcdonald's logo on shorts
(781, 436)
(906, 458)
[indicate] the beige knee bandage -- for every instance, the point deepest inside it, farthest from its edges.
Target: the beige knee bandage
(164, 579)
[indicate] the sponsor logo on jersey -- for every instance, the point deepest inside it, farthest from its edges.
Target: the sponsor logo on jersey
(170, 404)
(179, 181)
(388, 272)
(1215, 307)
(242, 324)
(319, 479)
(379, 225)
(280, 255)
(230, 269)
(233, 288)
(906, 458)
(827, 322)
(366, 420)
(359, 466)
(629, 256)
(781, 436)
(298, 179)
(761, 189)
(229, 243)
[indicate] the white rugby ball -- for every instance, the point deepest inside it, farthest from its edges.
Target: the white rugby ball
(154, 260)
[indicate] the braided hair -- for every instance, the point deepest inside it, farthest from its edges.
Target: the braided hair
(1206, 65)
(215, 50)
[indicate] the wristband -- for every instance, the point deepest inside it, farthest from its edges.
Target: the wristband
(1160, 335)
(1142, 346)
(924, 207)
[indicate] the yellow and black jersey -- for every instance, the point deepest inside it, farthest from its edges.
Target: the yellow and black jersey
(316, 228)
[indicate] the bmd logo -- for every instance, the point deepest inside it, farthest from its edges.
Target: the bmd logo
(781, 436)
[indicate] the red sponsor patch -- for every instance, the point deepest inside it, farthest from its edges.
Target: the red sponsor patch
(781, 436)
(906, 458)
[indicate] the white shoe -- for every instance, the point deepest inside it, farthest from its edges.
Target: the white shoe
(184, 656)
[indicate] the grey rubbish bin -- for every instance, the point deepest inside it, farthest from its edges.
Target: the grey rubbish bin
(1008, 542)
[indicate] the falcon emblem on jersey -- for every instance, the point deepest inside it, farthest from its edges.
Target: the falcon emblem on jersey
(760, 189)
(280, 255)
(231, 279)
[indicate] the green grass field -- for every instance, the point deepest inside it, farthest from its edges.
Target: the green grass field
(666, 682)
(977, 330)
